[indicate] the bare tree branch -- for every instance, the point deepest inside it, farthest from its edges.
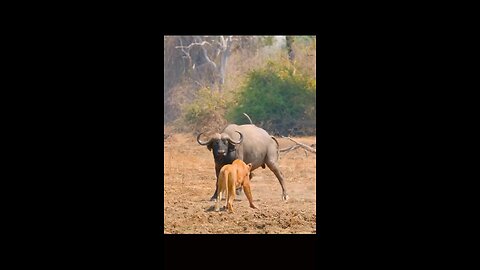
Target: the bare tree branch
(200, 84)
(291, 148)
(187, 54)
(288, 149)
(226, 47)
(204, 51)
(193, 44)
(221, 46)
(299, 144)
(186, 50)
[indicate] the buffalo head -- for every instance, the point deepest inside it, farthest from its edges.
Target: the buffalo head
(220, 143)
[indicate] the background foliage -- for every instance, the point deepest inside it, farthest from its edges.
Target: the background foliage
(216, 79)
(279, 98)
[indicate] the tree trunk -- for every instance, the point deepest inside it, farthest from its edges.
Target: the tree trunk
(315, 66)
(226, 48)
(291, 53)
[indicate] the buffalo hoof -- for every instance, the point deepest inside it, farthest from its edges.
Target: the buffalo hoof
(213, 199)
(285, 197)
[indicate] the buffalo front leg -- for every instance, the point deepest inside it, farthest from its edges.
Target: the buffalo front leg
(274, 168)
(217, 172)
(238, 191)
(217, 202)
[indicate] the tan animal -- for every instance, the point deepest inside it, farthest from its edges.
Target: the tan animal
(232, 176)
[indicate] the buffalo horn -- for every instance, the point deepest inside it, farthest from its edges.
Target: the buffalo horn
(234, 142)
(200, 142)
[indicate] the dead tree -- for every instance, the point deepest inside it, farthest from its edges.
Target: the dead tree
(225, 48)
(214, 69)
(299, 145)
(291, 53)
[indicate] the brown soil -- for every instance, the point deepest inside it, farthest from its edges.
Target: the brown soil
(188, 209)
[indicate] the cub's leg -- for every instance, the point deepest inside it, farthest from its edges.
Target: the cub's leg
(232, 179)
(220, 190)
(248, 192)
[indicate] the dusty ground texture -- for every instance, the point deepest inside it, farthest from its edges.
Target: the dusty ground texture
(188, 209)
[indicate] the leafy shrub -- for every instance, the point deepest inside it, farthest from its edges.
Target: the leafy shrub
(276, 97)
(206, 112)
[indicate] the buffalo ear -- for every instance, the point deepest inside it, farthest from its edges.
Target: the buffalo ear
(209, 147)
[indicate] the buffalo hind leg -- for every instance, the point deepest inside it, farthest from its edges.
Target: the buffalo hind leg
(274, 168)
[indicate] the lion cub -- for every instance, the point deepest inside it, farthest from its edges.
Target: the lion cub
(231, 177)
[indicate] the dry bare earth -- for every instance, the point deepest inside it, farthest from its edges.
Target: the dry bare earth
(188, 210)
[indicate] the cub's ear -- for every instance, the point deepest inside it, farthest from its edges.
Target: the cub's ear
(249, 166)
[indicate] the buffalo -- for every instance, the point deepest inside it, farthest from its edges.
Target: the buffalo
(248, 143)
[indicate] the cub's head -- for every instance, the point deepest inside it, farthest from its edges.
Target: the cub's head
(243, 169)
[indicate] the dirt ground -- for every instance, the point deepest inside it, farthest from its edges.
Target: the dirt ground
(188, 209)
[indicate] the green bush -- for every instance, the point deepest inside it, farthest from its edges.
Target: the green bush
(205, 103)
(277, 97)
(206, 112)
